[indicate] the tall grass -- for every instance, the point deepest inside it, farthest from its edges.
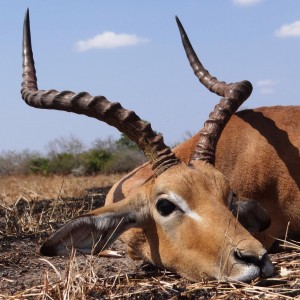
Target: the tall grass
(36, 187)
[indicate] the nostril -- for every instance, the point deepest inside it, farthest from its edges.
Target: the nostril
(263, 263)
(267, 267)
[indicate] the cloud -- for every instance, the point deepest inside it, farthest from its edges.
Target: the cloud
(288, 30)
(246, 2)
(109, 39)
(266, 86)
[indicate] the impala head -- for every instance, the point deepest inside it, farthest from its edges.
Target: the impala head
(184, 210)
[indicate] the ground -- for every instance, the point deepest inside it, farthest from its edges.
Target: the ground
(25, 274)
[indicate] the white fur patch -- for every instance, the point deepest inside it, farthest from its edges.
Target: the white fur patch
(182, 204)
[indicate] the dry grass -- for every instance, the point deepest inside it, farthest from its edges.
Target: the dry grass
(35, 188)
(78, 282)
(26, 218)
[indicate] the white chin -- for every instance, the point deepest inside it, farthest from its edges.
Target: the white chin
(245, 274)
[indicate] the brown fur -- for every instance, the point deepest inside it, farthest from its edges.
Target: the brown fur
(183, 212)
(259, 154)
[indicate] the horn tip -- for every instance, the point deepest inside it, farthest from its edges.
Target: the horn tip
(178, 21)
(26, 28)
(181, 29)
(27, 14)
(26, 20)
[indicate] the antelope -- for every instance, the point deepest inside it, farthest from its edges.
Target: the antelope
(190, 210)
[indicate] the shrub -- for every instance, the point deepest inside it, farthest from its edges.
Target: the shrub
(125, 143)
(13, 162)
(124, 161)
(71, 145)
(96, 159)
(63, 163)
(67, 156)
(39, 165)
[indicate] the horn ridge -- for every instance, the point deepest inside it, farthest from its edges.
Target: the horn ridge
(213, 127)
(97, 107)
(234, 95)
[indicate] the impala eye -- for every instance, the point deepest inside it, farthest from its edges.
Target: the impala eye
(165, 207)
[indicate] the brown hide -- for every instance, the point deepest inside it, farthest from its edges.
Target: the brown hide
(259, 153)
(163, 203)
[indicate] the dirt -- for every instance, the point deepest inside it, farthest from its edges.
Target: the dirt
(25, 274)
(21, 265)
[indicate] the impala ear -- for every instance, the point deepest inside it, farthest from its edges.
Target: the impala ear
(251, 214)
(93, 232)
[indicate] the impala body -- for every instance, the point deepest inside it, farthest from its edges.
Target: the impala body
(190, 209)
(258, 152)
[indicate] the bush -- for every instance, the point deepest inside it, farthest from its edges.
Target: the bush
(39, 165)
(67, 156)
(124, 161)
(63, 163)
(125, 143)
(13, 162)
(96, 159)
(71, 145)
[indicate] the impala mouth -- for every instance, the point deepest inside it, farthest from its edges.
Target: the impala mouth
(251, 267)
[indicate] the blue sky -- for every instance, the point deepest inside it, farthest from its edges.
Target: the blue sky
(130, 52)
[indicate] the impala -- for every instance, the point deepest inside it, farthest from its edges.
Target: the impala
(190, 209)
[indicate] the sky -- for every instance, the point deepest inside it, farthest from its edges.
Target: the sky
(130, 52)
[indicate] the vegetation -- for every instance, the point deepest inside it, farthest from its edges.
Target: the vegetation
(69, 156)
(31, 207)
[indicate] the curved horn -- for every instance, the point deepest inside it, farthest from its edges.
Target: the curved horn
(234, 95)
(160, 156)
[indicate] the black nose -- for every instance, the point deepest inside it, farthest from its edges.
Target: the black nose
(263, 262)
(267, 267)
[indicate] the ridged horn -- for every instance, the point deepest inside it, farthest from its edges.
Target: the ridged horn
(160, 156)
(234, 95)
